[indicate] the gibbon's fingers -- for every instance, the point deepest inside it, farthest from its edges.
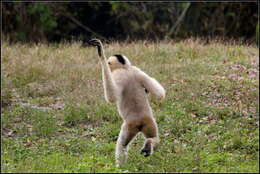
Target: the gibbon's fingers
(98, 43)
(95, 42)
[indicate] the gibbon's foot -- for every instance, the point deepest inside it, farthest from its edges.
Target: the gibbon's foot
(147, 150)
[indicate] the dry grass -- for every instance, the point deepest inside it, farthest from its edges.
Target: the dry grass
(208, 121)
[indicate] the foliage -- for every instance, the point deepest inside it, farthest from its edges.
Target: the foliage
(52, 21)
(47, 21)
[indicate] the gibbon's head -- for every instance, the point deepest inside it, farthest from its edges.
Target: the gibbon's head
(118, 61)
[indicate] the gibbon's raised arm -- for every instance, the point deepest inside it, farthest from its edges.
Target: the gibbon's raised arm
(149, 83)
(110, 88)
(109, 85)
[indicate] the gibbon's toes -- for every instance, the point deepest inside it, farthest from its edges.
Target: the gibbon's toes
(146, 152)
(147, 149)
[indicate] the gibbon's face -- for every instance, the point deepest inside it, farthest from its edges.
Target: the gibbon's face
(117, 61)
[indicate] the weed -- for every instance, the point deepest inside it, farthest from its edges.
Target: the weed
(207, 123)
(44, 123)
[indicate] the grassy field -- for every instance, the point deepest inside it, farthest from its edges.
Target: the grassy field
(54, 117)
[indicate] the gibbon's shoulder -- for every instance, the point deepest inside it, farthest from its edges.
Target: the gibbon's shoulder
(137, 70)
(134, 68)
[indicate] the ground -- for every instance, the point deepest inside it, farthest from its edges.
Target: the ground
(54, 117)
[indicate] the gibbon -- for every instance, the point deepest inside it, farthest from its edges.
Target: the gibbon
(126, 85)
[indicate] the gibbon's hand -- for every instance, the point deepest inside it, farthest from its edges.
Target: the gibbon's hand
(98, 43)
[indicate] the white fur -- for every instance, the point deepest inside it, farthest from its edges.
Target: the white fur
(125, 85)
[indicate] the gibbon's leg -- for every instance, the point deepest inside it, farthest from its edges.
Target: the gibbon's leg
(150, 131)
(108, 82)
(127, 133)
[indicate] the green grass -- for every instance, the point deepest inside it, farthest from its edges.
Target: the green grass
(209, 121)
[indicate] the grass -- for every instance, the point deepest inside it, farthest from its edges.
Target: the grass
(54, 117)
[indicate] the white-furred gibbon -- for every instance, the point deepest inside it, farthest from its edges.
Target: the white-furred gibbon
(127, 85)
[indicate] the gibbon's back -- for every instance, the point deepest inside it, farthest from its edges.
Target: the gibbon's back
(132, 95)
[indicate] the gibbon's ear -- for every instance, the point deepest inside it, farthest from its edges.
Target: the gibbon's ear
(120, 58)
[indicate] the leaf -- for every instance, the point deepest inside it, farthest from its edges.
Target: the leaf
(193, 115)
(28, 143)
(10, 133)
(167, 134)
